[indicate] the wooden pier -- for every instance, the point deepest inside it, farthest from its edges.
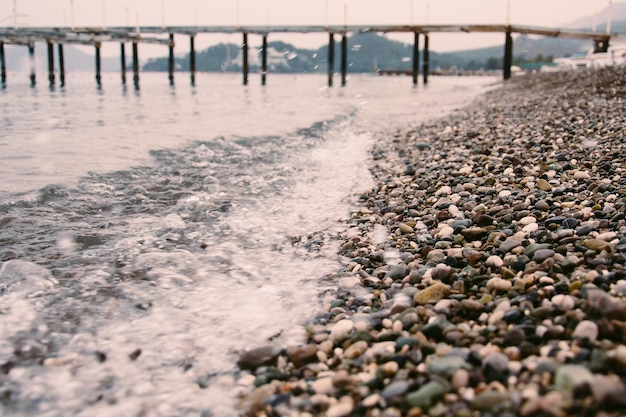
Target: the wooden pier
(165, 35)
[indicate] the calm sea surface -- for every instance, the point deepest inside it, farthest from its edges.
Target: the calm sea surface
(148, 236)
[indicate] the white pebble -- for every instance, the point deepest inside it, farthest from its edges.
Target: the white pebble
(445, 190)
(341, 330)
(606, 236)
(527, 220)
(444, 232)
(564, 302)
(586, 329)
(529, 228)
(494, 261)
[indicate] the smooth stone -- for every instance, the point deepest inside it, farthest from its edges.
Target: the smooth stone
(496, 366)
(473, 233)
(343, 408)
(447, 365)
(426, 396)
(607, 236)
(372, 400)
(356, 349)
(484, 220)
(302, 355)
(569, 377)
(405, 228)
(604, 305)
(499, 284)
(543, 185)
(608, 387)
(397, 272)
(531, 249)
(564, 302)
(432, 294)
(597, 244)
(510, 244)
(445, 232)
(570, 223)
(261, 356)
(543, 254)
(524, 221)
(341, 330)
(494, 261)
(460, 379)
(584, 230)
(581, 175)
(492, 401)
(530, 228)
(586, 329)
(395, 389)
(323, 385)
(542, 205)
(445, 190)
(507, 273)
(504, 194)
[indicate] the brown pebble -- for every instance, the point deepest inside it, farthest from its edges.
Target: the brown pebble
(135, 354)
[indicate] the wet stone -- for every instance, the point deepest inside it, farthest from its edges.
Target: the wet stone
(542, 254)
(395, 389)
(491, 401)
(432, 294)
(474, 233)
(542, 205)
(510, 244)
(257, 357)
(569, 377)
(302, 355)
(426, 396)
(586, 329)
(397, 272)
(447, 365)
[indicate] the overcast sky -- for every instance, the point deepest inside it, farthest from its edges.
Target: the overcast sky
(553, 13)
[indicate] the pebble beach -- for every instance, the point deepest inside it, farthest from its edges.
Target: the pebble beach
(483, 275)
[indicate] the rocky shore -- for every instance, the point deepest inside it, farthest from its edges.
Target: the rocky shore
(484, 273)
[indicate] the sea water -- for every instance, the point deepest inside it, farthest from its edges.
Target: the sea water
(149, 236)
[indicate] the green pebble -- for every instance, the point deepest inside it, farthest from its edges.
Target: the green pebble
(426, 396)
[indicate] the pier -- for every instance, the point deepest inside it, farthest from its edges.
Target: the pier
(165, 35)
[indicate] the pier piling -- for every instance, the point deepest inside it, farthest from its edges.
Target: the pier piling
(344, 59)
(244, 50)
(416, 57)
(61, 65)
(426, 65)
(123, 62)
(98, 66)
(264, 61)
(50, 63)
(31, 59)
(170, 62)
(508, 55)
(192, 60)
(331, 58)
(135, 65)
(3, 66)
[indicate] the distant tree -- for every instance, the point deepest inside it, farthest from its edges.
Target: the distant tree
(494, 63)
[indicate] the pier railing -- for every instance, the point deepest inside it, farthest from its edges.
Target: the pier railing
(154, 34)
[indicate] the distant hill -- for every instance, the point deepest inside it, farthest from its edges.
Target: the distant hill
(368, 52)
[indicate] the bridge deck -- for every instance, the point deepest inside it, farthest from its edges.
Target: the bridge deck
(90, 35)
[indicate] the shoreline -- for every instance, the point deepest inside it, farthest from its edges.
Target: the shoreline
(484, 273)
